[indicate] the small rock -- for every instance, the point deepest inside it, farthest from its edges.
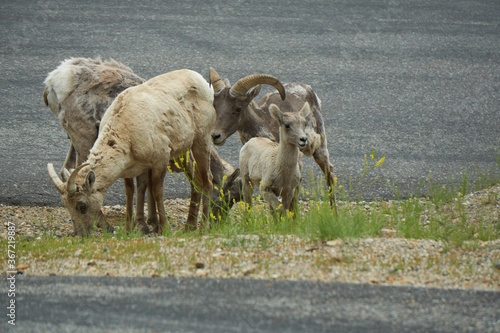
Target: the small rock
(92, 262)
(249, 270)
(77, 253)
(201, 273)
(199, 265)
(388, 233)
(22, 267)
(497, 265)
(335, 242)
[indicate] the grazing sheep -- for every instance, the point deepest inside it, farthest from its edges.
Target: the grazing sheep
(275, 166)
(237, 111)
(144, 128)
(78, 92)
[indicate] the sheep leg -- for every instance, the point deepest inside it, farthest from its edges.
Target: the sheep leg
(152, 216)
(203, 178)
(194, 203)
(322, 158)
(292, 206)
(142, 185)
(271, 198)
(157, 179)
(129, 197)
(288, 200)
(247, 190)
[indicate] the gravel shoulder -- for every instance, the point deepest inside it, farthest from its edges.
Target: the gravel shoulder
(386, 260)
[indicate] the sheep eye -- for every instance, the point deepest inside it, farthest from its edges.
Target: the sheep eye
(287, 126)
(238, 109)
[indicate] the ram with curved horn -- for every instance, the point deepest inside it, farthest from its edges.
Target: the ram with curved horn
(237, 111)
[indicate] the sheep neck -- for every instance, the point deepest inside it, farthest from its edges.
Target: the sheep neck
(288, 154)
(107, 169)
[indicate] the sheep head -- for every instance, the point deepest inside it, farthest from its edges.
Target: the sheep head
(226, 195)
(80, 197)
(292, 124)
(231, 102)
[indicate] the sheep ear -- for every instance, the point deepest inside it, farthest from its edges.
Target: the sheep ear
(305, 111)
(254, 92)
(276, 113)
(90, 179)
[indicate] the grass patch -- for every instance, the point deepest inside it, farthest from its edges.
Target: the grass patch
(440, 215)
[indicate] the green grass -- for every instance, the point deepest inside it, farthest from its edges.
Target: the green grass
(439, 215)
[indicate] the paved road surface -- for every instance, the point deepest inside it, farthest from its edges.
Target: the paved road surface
(90, 304)
(417, 81)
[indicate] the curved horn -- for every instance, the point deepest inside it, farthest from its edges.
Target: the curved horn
(243, 85)
(215, 80)
(55, 178)
(71, 186)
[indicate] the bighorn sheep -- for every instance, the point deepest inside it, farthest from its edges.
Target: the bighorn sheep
(78, 92)
(143, 129)
(237, 111)
(275, 166)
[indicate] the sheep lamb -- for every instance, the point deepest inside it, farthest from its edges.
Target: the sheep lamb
(275, 166)
(143, 129)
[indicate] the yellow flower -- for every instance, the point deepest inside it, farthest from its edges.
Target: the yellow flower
(379, 163)
(176, 164)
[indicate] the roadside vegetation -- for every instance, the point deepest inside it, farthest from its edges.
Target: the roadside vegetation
(450, 214)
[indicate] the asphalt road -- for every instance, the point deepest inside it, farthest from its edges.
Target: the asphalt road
(416, 81)
(90, 304)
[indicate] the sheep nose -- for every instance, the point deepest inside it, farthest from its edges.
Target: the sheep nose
(218, 139)
(303, 141)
